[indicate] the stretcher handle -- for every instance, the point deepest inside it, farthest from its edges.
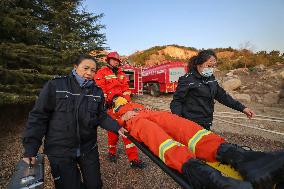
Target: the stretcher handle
(30, 163)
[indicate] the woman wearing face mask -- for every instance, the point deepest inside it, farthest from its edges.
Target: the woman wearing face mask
(197, 90)
(66, 115)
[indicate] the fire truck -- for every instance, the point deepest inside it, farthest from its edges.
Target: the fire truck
(162, 78)
(134, 78)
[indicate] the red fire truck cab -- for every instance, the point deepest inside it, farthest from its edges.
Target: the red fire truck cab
(162, 78)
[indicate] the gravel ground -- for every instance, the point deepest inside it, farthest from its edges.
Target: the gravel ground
(119, 175)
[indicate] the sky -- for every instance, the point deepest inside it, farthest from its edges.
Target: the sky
(135, 25)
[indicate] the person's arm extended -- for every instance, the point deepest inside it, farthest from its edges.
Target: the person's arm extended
(116, 117)
(179, 96)
(38, 120)
(105, 120)
(224, 98)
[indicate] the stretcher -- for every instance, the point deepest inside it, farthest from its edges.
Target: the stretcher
(226, 170)
(32, 177)
(27, 176)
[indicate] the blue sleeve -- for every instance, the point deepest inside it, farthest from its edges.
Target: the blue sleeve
(105, 121)
(38, 120)
(224, 98)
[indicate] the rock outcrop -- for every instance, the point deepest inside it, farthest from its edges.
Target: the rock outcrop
(178, 52)
(232, 84)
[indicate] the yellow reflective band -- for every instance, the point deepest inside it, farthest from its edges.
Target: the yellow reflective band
(196, 138)
(116, 109)
(126, 93)
(165, 146)
(129, 145)
(110, 77)
(121, 76)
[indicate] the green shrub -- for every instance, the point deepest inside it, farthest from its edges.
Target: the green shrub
(18, 77)
(12, 98)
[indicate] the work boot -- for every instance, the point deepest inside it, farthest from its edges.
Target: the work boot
(201, 175)
(111, 157)
(137, 164)
(262, 169)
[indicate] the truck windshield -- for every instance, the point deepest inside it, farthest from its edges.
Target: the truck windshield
(130, 76)
(175, 73)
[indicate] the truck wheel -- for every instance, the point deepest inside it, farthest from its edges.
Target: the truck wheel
(155, 89)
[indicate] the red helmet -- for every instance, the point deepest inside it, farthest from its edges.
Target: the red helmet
(113, 55)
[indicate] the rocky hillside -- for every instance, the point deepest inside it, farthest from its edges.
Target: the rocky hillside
(261, 85)
(159, 54)
(228, 58)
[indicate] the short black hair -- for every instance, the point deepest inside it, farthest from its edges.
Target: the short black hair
(200, 58)
(82, 57)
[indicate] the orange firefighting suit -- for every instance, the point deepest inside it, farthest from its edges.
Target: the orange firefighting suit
(113, 85)
(170, 137)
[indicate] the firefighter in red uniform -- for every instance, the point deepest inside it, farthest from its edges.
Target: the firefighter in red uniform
(178, 142)
(113, 81)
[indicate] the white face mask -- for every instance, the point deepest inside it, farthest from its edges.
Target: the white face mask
(207, 72)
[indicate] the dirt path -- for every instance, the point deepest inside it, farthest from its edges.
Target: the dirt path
(120, 175)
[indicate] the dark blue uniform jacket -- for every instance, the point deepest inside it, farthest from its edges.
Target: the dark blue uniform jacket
(66, 117)
(194, 98)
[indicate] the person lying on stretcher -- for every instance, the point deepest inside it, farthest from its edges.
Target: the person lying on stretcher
(182, 144)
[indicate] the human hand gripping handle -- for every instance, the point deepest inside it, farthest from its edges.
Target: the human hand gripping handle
(29, 160)
(122, 132)
(249, 112)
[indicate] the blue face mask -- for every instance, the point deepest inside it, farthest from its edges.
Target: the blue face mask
(207, 72)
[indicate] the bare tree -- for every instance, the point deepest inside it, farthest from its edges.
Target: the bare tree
(247, 45)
